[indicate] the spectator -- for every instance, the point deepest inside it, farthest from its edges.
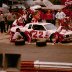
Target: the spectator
(41, 15)
(2, 22)
(36, 17)
(34, 20)
(59, 16)
(54, 19)
(18, 15)
(49, 16)
(10, 18)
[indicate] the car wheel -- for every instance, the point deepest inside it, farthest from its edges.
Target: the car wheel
(51, 37)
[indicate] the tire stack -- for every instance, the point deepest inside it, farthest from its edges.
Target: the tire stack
(41, 42)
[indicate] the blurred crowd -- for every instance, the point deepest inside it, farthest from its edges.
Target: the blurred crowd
(21, 17)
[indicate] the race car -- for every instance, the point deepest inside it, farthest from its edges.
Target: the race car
(63, 34)
(44, 30)
(37, 30)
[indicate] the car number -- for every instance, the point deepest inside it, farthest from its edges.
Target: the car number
(38, 34)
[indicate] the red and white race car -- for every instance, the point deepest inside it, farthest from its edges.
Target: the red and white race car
(37, 30)
(42, 30)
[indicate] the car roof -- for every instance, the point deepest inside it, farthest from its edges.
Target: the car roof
(38, 23)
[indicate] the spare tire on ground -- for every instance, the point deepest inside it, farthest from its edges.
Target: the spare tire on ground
(41, 42)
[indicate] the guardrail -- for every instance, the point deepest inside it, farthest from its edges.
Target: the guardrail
(39, 66)
(13, 63)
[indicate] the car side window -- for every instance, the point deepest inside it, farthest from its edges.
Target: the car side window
(30, 26)
(38, 27)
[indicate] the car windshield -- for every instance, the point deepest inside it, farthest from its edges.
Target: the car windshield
(50, 27)
(38, 27)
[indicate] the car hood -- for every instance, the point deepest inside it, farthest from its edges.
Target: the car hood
(69, 32)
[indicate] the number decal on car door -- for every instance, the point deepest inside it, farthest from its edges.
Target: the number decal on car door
(37, 34)
(34, 34)
(40, 34)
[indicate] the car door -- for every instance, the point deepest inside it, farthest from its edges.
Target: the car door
(38, 31)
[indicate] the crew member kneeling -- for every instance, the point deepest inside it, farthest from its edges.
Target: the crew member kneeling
(18, 38)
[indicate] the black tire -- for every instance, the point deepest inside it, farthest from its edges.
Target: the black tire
(51, 37)
(41, 42)
(20, 42)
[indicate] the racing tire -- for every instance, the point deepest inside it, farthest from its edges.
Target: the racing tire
(41, 43)
(51, 37)
(20, 42)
